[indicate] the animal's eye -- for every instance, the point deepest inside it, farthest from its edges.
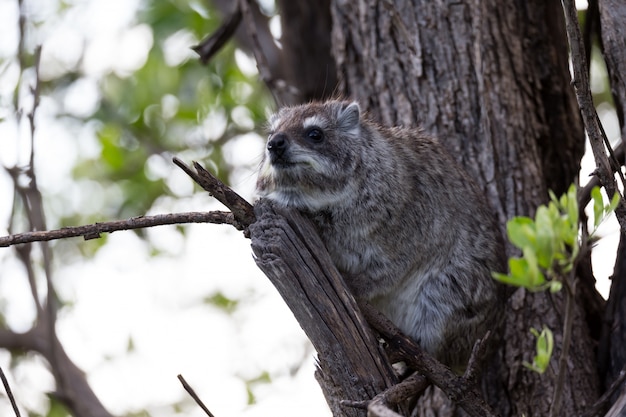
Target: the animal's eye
(315, 134)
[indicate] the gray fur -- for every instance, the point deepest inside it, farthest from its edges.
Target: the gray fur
(403, 223)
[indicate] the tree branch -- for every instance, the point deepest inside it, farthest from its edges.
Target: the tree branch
(460, 390)
(7, 388)
(93, 231)
(241, 209)
(195, 396)
(570, 287)
(210, 45)
(72, 386)
(281, 91)
(594, 129)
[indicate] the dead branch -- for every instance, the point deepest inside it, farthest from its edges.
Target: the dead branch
(240, 208)
(210, 45)
(457, 388)
(288, 250)
(380, 405)
(195, 396)
(597, 137)
(241, 217)
(93, 231)
(282, 92)
(7, 388)
(584, 194)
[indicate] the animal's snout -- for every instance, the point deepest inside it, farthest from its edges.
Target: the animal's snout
(277, 145)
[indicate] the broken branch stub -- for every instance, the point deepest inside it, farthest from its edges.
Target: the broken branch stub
(288, 250)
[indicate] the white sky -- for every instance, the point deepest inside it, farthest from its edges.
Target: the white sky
(124, 293)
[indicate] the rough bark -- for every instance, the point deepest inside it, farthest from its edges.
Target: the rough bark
(306, 44)
(491, 79)
(351, 365)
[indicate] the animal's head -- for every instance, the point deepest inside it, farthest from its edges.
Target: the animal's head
(311, 154)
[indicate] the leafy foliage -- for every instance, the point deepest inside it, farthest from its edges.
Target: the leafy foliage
(550, 242)
(550, 245)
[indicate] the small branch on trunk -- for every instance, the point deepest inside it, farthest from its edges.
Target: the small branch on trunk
(570, 287)
(584, 194)
(459, 389)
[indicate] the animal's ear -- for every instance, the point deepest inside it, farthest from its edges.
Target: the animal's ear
(348, 116)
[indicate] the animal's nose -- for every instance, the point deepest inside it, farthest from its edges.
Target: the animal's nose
(277, 144)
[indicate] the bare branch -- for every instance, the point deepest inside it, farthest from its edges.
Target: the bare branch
(193, 395)
(282, 92)
(241, 209)
(457, 388)
(597, 137)
(93, 231)
(210, 45)
(7, 388)
(570, 286)
(474, 366)
(409, 388)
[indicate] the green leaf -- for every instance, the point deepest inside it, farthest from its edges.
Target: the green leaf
(544, 347)
(555, 286)
(613, 204)
(544, 232)
(598, 206)
(521, 232)
(524, 272)
(535, 276)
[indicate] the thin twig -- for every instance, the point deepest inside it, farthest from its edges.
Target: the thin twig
(93, 231)
(241, 209)
(474, 365)
(584, 193)
(210, 45)
(597, 137)
(570, 294)
(7, 388)
(193, 395)
(279, 88)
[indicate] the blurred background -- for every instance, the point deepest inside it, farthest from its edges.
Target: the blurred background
(121, 93)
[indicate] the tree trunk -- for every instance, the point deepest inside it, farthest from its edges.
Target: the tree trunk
(491, 80)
